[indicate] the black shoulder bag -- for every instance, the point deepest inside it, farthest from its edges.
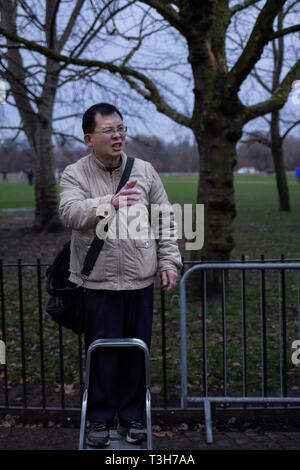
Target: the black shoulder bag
(65, 303)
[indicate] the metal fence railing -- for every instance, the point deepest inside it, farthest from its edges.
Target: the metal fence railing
(273, 351)
(233, 348)
(34, 375)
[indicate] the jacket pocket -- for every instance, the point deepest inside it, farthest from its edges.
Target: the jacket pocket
(145, 258)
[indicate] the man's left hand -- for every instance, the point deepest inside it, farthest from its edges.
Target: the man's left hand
(168, 279)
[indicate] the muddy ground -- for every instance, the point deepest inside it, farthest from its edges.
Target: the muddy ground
(18, 240)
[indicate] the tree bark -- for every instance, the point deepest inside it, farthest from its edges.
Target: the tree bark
(277, 154)
(46, 201)
(217, 152)
(217, 128)
(276, 140)
(216, 192)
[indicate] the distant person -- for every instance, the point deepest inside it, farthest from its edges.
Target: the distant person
(4, 175)
(22, 175)
(30, 177)
(297, 171)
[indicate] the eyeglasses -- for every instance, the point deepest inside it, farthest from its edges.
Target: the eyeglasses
(112, 130)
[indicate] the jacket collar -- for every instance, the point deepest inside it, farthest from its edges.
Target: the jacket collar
(102, 166)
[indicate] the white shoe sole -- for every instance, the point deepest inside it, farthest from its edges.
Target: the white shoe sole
(131, 440)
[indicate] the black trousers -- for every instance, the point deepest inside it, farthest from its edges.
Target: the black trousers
(117, 375)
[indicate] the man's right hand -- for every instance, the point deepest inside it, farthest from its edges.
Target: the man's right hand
(127, 196)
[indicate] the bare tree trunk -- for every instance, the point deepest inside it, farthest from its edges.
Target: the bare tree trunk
(276, 140)
(277, 153)
(216, 191)
(37, 125)
(46, 212)
(217, 130)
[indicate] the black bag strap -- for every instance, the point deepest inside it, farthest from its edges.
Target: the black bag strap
(126, 173)
(97, 243)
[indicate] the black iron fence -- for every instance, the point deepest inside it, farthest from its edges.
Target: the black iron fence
(239, 343)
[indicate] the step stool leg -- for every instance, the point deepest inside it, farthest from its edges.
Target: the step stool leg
(208, 422)
(83, 420)
(148, 419)
(84, 401)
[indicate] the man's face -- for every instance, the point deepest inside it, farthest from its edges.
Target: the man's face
(106, 146)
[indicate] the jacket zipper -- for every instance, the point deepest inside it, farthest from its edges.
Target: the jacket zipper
(117, 235)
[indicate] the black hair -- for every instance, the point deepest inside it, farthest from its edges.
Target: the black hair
(88, 119)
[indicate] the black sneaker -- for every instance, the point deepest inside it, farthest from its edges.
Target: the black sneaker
(136, 432)
(98, 435)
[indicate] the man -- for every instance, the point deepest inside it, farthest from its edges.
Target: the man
(118, 299)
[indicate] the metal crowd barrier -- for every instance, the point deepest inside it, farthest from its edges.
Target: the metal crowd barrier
(209, 400)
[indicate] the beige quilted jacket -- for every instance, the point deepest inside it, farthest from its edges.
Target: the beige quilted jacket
(124, 263)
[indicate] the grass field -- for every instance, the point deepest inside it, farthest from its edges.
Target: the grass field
(253, 192)
(259, 226)
(180, 189)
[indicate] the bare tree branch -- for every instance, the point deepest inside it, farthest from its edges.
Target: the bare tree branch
(150, 92)
(69, 116)
(91, 33)
(65, 36)
(22, 91)
(263, 138)
(9, 140)
(137, 46)
(31, 15)
(296, 123)
(167, 12)
(19, 128)
(290, 7)
(257, 137)
(285, 31)
(15, 63)
(67, 136)
(51, 12)
(277, 100)
(259, 37)
(260, 80)
(242, 6)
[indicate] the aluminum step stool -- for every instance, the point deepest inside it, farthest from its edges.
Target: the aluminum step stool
(117, 442)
